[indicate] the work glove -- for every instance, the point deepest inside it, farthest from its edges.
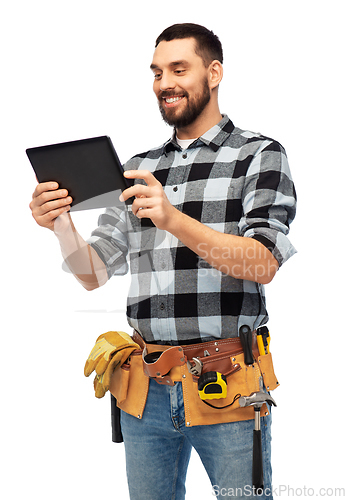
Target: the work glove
(110, 351)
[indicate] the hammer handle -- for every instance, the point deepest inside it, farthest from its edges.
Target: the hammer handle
(257, 462)
(117, 436)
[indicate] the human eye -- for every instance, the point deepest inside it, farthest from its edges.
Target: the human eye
(157, 76)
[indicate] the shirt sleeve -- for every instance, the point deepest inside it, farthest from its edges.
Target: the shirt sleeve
(110, 240)
(269, 201)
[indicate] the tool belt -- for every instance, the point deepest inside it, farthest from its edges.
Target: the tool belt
(168, 365)
(215, 355)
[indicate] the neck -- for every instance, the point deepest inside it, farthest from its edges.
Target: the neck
(206, 120)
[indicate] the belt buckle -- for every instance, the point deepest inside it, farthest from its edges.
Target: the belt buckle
(195, 369)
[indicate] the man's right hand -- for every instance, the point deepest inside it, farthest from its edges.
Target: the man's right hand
(48, 203)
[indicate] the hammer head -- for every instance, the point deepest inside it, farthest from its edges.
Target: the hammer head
(256, 399)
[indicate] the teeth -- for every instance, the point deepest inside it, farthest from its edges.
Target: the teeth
(172, 99)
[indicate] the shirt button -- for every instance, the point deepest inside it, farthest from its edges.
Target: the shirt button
(184, 156)
(175, 189)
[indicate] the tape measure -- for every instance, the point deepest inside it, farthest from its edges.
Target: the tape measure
(212, 385)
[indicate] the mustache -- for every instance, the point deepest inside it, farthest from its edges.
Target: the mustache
(166, 93)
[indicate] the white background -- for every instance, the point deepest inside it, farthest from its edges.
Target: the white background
(75, 69)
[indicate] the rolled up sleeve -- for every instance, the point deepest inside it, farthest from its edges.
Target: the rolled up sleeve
(269, 201)
(110, 242)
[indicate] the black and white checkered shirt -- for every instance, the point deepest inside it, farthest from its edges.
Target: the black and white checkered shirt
(232, 180)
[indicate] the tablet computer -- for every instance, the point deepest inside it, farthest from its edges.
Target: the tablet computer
(89, 169)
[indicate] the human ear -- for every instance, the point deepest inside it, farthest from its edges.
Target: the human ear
(215, 74)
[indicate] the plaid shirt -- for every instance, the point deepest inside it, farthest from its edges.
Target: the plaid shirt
(234, 181)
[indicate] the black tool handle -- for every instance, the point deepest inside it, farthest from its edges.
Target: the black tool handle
(245, 335)
(257, 462)
(117, 436)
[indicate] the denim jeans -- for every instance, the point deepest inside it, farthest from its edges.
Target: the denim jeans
(158, 449)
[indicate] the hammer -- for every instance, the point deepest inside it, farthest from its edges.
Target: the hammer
(256, 399)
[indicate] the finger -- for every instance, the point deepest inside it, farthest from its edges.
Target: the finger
(48, 218)
(145, 175)
(47, 191)
(59, 195)
(144, 213)
(52, 206)
(44, 186)
(43, 193)
(142, 206)
(138, 190)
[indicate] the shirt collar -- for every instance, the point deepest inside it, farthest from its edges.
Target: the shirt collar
(213, 138)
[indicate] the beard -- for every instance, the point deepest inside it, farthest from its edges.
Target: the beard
(192, 110)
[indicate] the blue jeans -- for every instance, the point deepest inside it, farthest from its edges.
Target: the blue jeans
(158, 449)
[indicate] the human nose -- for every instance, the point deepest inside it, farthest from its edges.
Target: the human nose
(167, 81)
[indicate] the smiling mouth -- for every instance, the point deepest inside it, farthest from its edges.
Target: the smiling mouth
(172, 100)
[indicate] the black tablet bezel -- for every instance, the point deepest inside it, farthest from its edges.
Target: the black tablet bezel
(88, 168)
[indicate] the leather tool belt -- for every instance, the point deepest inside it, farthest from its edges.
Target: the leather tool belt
(214, 355)
(167, 365)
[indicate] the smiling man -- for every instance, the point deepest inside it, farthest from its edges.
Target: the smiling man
(206, 230)
(182, 107)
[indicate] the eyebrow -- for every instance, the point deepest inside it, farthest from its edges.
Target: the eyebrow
(172, 64)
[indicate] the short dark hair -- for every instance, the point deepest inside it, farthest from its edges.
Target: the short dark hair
(208, 46)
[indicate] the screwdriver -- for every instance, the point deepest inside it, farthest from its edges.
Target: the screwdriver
(263, 340)
(245, 335)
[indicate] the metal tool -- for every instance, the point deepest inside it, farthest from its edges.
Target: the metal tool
(245, 335)
(195, 369)
(256, 399)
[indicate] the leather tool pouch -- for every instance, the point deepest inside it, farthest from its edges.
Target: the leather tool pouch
(158, 363)
(222, 363)
(266, 366)
(130, 386)
(243, 380)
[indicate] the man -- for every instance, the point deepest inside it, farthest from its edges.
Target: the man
(206, 230)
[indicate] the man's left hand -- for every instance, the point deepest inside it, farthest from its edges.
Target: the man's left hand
(150, 200)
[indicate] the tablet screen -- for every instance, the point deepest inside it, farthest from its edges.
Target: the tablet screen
(89, 169)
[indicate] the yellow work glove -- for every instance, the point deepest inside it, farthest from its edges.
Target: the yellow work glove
(110, 351)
